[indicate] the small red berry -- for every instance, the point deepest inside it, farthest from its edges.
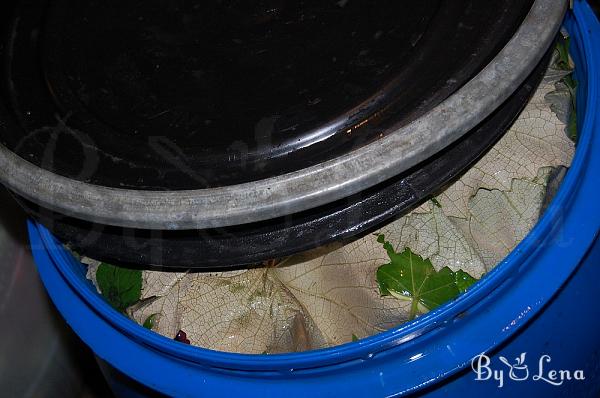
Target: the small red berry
(182, 337)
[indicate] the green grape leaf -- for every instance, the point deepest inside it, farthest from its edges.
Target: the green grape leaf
(463, 280)
(121, 287)
(149, 322)
(567, 85)
(410, 277)
(436, 202)
(562, 47)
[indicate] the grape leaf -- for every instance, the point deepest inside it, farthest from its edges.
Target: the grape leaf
(463, 280)
(121, 287)
(150, 320)
(410, 277)
(563, 61)
(566, 87)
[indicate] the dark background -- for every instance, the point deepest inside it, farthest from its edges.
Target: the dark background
(39, 355)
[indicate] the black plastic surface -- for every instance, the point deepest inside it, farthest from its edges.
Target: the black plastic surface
(173, 95)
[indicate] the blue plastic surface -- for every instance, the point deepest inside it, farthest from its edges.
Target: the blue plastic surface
(542, 298)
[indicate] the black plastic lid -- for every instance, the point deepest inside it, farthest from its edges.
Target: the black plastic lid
(186, 95)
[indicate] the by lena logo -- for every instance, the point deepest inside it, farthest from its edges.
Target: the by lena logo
(519, 370)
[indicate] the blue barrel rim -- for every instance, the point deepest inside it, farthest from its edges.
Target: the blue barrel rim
(406, 334)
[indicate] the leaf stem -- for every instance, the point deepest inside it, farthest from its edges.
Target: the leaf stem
(414, 308)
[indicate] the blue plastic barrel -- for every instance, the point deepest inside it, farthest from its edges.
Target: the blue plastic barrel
(542, 299)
